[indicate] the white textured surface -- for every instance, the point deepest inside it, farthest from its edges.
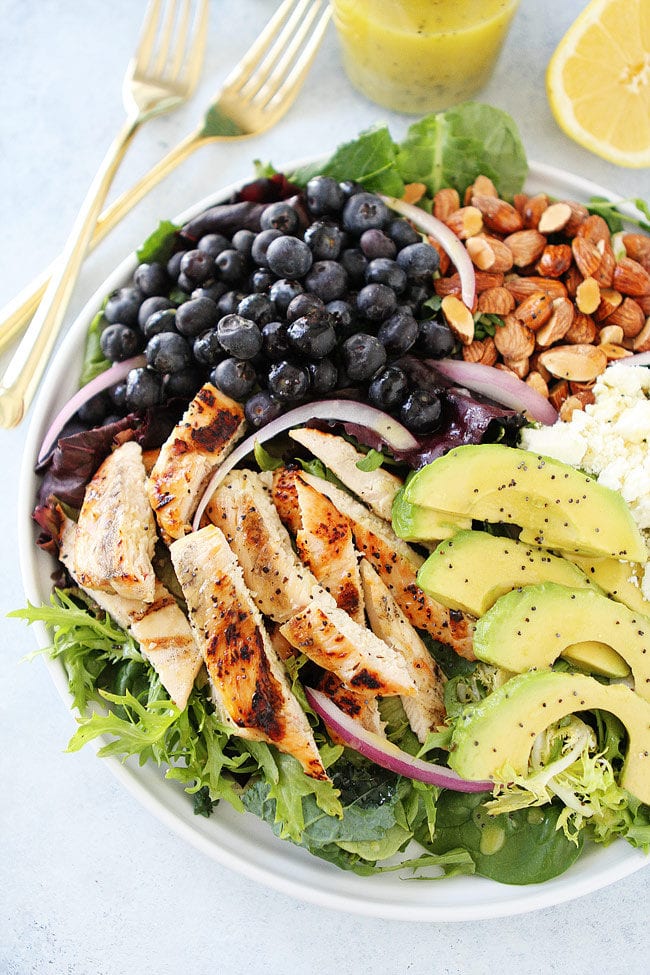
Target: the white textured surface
(90, 882)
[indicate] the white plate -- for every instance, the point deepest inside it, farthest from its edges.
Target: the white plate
(244, 843)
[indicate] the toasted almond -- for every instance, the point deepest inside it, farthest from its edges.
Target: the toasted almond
(637, 246)
(554, 218)
(535, 311)
(537, 366)
(520, 367)
(610, 333)
(558, 324)
(502, 254)
(443, 256)
(570, 406)
(643, 302)
(631, 278)
(554, 261)
(519, 201)
(413, 192)
(613, 351)
(523, 287)
(572, 279)
(629, 315)
(481, 350)
(513, 340)
(502, 367)
(533, 210)
(579, 214)
(641, 342)
(481, 253)
(609, 302)
(445, 202)
(583, 330)
(498, 215)
(459, 318)
(537, 382)
(484, 186)
(465, 222)
(604, 273)
(594, 228)
(495, 301)
(527, 246)
(586, 255)
(579, 362)
(451, 285)
(558, 392)
(588, 296)
(583, 392)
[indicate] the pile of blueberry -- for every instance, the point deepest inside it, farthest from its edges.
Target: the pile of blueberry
(299, 310)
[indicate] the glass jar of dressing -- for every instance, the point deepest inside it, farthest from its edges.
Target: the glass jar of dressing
(420, 56)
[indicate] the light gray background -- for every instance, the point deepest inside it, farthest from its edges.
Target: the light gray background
(89, 881)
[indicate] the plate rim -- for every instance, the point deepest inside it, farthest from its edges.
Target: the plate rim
(142, 782)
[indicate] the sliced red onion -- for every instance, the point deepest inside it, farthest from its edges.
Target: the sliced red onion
(105, 380)
(384, 753)
(498, 386)
(640, 359)
(447, 239)
(392, 434)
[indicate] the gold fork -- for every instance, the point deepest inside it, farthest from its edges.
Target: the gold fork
(162, 74)
(256, 94)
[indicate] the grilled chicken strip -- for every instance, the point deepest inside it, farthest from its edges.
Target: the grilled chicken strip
(397, 564)
(336, 643)
(209, 429)
(323, 540)
(160, 627)
(116, 532)
(361, 707)
(250, 688)
(425, 709)
(376, 488)
(279, 583)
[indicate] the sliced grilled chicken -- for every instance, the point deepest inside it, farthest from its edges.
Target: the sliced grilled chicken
(361, 707)
(116, 532)
(250, 687)
(328, 636)
(425, 709)
(209, 429)
(242, 508)
(375, 488)
(397, 564)
(160, 627)
(323, 540)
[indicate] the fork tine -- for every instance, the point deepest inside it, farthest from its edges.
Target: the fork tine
(241, 72)
(149, 29)
(193, 62)
(165, 36)
(278, 57)
(295, 75)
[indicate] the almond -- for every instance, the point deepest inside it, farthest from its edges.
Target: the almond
(570, 406)
(637, 246)
(413, 192)
(558, 393)
(513, 340)
(484, 186)
(588, 295)
(643, 302)
(445, 202)
(459, 318)
(554, 261)
(594, 228)
(519, 202)
(498, 215)
(609, 302)
(558, 324)
(554, 218)
(579, 362)
(496, 301)
(537, 382)
(583, 330)
(451, 284)
(534, 208)
(537, 366)
(481, 350)
(443, 256)
(641, 343)
(610, 333)
(527, 246)
(614, 351)
(629, 316)
(520, 367)
(524, 287)
(586, 255)
(604, 273)
(502, 254)
(535, 311)
(481, 253)
(579, 213)
(465, 222)
(631, 278)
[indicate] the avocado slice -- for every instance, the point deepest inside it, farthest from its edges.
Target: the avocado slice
(555, 505)
(613, 576)
(532, 627)
(501, 729)
(471, 570)
(416, 524)
(596, 658)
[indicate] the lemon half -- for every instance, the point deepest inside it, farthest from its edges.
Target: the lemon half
(598, 81)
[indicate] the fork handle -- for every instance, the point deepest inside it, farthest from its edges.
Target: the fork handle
(25, 369)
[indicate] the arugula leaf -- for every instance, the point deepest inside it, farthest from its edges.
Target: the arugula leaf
(610, 212)
(371, 159)
(372, 461)
(266, 461)
(94, 361)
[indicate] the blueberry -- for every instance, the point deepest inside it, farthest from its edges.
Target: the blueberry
(389, 389)
(232, 266)
(183, 283)
(234, 377)
(242, 241)
(239, 336)
(374, 243)
(421, 412)
(197, 266)
(229, 302)
(150, 305)
(324, 195)
(312, 335)
(280, 216)
(168, 352)
(163, 320)
(174, 265)
(402, 233)
(288, 381)
(275, 341)
(119, 342)
(363, 355)
(182, 384)
(323, 375)
(383, 270)
(213, 244)
(118, 396)
(349, 187)
(419, 260)
(196, 316)
(211, 289)
(416, 296)
(207, 348)
(435, 339)
(399, 332)
(95, 410)
(151, 279)
(301, 305)
(341, 312)
(261, 408)
(327, 280)
(365, 211)
(376, 302)
(143, 388)
(282, 292)
(355, 263)
(261, 244)
(257, 307)
(325, 240)
(261, 280)
(123, 306)
(289, 257)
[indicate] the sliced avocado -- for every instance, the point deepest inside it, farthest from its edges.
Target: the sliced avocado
(473, 569)
(532, 627)
(416, 524)
(596, 658)
(615, 578)
(500, 730)
(555, 505)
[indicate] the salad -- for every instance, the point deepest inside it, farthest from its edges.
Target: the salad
(309, 354)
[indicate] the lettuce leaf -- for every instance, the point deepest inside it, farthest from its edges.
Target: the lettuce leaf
(371, 160)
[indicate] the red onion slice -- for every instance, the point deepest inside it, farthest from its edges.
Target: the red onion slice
(105, 380)
(393, 435)
(498, 386)
(385, 753)
(447, 239)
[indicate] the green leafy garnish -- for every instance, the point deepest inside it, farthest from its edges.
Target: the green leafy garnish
(94, 361)
(371, 159)
(611, 213)
(159, 245)
(264, 460)
(372, 461)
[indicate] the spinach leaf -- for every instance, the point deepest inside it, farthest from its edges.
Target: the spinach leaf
(94, 360)
(371, 160)
(159, 245)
